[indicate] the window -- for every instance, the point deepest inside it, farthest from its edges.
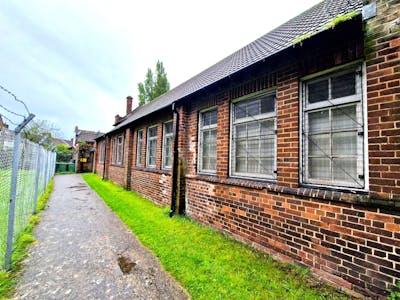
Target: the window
(333, 130)
(253, 152)
(139, 148)
(119, 150)
(102, 149)
(113, 150)
(152, 146)
(167, 146)
(208, 141)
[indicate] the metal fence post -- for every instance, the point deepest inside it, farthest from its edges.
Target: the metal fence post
(38, 162)
(13, 189)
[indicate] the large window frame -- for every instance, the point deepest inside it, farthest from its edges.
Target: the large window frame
(139, 146)
(113, 150)
(205, 163)
(346, 121)
(119, 150)
(167, 145)
(256, 120)
(151, 154)
(102, 150)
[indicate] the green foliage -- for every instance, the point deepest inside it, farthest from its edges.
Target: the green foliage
(8, 279)
(395, 292)
(38, 130)
(154, 85)
(208, 264)
(64, 153)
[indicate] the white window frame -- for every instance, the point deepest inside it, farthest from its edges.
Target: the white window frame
(139, 146)
(119, 150)
(167, 136)
(102, 154)
(201, 130)
(267, 116)
(360, 101)
(148, 165)
(113, 150)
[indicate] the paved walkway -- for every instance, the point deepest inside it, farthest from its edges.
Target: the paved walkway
(85, 252)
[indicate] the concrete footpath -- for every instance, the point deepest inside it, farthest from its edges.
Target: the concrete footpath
(84, 251)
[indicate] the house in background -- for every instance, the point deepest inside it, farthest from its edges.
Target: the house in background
(291, 144)
(85, 146)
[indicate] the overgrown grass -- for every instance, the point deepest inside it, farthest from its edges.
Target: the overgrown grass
(26, 238)
(207, 263)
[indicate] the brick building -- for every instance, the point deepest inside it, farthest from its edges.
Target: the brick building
(290, 144)
(84, 145)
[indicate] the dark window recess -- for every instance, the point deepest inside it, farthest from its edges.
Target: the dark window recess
(343, 85)
(318, 91)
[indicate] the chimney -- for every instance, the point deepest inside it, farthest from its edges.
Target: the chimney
(117, 119)
(128, 104)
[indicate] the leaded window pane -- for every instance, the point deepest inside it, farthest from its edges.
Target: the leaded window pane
(345, 169)
(254, 137)
(344, 143)
(333, 145)
(320, 168)
(208, 141)
(319, 121)
(319, 145)
(344, 117)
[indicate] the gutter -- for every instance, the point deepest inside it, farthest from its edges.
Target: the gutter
(175, 161)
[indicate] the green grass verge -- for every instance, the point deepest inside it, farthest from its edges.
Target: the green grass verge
(24, 239)
(207, 263)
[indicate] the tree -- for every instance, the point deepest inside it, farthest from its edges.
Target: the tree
(64, 153)
(40, 130)
(154, 85)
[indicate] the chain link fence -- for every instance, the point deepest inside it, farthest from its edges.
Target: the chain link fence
(35, 169)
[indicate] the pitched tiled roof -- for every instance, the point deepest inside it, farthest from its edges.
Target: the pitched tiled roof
(87, 135)
(311, 21)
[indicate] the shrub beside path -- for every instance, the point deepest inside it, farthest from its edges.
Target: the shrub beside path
(83, 250)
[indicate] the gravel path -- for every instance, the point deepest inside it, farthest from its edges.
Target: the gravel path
(84, 251)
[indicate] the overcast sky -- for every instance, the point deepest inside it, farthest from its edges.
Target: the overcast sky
(74, 62)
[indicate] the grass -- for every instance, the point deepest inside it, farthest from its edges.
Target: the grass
(23, 207)
(24, 239)
(207, 263)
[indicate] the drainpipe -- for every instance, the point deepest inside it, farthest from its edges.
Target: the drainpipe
(175, 158)
(105, 156)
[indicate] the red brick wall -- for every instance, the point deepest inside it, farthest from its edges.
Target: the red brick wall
(383, 81)
(352, 246)
(152, 183)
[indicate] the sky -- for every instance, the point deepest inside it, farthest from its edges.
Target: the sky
(74, 62)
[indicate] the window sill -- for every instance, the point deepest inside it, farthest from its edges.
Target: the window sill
(152, 170)
(116, 165)
(359, 198)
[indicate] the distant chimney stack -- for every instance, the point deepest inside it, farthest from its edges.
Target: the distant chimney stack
(128, 104)
(117, 119)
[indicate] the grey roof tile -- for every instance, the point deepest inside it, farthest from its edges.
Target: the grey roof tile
(310, 21)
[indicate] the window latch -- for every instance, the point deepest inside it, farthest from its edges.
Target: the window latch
(360, 133)
(275, 172)
(360, 176)
(359, 73)
(276, 131)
